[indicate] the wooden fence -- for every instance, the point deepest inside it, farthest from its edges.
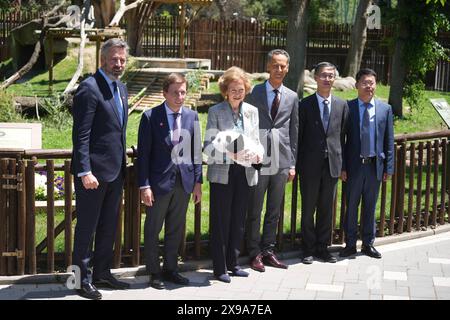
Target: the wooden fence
(415, 198)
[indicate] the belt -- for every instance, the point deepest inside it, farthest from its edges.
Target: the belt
(368, 160)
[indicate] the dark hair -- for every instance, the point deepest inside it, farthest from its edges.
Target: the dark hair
(318, 67)
(365, 72)
(276, 52)
(174, 78)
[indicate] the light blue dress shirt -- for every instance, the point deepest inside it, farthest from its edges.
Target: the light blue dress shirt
(372, 131)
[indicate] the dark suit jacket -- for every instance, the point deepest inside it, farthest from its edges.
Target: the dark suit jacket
(99, 139)
(155, 165)
(384, 139)
(285, 124)
(313, 140)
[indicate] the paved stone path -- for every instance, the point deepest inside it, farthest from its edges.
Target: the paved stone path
(413, 269)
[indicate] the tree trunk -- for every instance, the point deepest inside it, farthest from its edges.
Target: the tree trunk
(399, 68)
(296, 43)
(104, 11)
(221, 4)
(358, 40)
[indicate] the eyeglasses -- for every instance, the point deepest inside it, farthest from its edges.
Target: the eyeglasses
(325, 76)
(234, 92)
(367, 83)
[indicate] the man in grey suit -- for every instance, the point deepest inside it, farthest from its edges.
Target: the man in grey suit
(368, 160)
(278, 124)
(322, 123)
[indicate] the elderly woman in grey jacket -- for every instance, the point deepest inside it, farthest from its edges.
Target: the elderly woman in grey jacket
(233, 148)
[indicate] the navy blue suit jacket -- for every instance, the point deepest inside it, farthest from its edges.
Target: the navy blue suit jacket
(384, 139)
(99, 139)
(155, 166)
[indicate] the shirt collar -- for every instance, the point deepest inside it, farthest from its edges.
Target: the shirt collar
(371, 102)
(321, 99)
(169, 111)
(269, 87)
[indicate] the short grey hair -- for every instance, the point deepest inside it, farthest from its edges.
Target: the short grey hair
(113, 43)
(278, 51)
(318, 67)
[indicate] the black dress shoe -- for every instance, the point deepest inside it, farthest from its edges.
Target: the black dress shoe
(347, 251)
(326, 256)
(111, 282)
(89, 291)
(157, 282)
(238, 272)
(370, 251)
(175, 277)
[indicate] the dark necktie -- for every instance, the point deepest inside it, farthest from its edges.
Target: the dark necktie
(365, 132)
(275, 104)
(326, 114)
(175, 131)
(118, 102)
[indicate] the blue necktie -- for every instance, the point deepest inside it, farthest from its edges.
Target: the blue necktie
(118, 102)
(326, 114)
(365, 132)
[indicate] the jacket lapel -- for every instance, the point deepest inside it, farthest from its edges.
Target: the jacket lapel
(262, 95)
(316, 112)
(107, 94)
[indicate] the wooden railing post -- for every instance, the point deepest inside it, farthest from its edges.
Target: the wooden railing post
(67, 214)
(50, 216)
(31, 217)
(3, 218)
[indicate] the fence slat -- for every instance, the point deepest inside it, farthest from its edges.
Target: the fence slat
(401, 188)
(428, 186)
(412, 162)
(21, 220)
(3, 218)
(419, 186)
(12, 219)
(50, 216)
(31, 220)
(435, 182)
(443, 181)
(67, 213)
(294, 200)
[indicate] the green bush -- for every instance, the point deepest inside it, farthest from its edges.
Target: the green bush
(194, 79)
(8, 111)
(57, 114)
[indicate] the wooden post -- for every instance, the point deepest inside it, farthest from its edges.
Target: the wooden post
(31, 220)
(67, 214)
(21, 218)
(419, 186)
(3, 218)
(97, 53)
(197, 229)
(294, 208)
(412, 162)
(12, 219)
(50, 216)
(182, 29)
(443, 181)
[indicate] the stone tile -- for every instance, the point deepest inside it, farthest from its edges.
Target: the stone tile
(328, 295)
(389, 297)
(441, 281)
(395, 275)
(275, 295)
(324, 287)
(302, 295)
(423, 292)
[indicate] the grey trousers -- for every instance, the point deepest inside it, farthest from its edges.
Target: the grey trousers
(274, 186)
(168, 209)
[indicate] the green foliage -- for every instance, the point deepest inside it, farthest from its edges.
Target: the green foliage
(422, 50)
(194, 79)
(57, 114)
(8, 112)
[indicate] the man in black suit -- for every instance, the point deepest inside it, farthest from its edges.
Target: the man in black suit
(170, 169)
(322, 122)
(98, 163)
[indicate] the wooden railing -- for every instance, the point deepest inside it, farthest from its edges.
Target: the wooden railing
(416, 198)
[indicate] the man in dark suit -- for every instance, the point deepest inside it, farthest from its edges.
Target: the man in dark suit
(368, 159)
(278, 127)
(98, 163)
(322, 121)
(170, 168)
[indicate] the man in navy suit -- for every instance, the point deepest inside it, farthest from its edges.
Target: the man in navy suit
(98, 163)
(368, 159)
(170, 168)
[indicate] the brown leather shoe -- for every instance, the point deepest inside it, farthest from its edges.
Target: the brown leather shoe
(257, 264)
(272, 260)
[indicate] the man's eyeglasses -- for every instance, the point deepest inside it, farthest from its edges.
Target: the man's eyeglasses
(325, 76)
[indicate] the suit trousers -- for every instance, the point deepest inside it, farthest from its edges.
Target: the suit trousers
(97, 214)
(168, 209)
(228, 208)
(274, 185)
(318, 191)
(361, 184)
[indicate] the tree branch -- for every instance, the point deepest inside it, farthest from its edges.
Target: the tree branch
(122, 9)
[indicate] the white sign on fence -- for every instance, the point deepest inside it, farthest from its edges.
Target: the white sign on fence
(443, 109)
(20, 135)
